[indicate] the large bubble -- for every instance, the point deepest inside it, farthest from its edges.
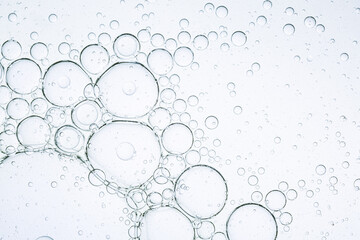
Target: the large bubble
(128, 90)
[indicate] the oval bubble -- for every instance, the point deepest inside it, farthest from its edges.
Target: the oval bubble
(201, 191)
(128, 152)
(23, 76)
(177, 138)
(178, 226)
(33, 132)
(160, 61)
(251, 221)
(69, 139)
(64, 83)
(126, 46)
(128, 90)
(94, 58)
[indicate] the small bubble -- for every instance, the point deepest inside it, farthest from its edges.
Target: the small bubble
(320, 28)
(344, 57)
(184, 23)
(267, 4)
(238, 38)
(12, 17)
(211, 122)
(221, 12)
(277, 140)
(320, 169)
(310, 22)
(261, 20)
(53, 184)
(289, 29)
(114, 24)
(53, 18)
(237, 110)
(209, 7)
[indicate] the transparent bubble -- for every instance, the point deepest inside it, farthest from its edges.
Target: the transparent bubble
(96, 177)
(179, 105)
(275, 200)
(69, 139)
(168, 95)
(184, 23)
(219, 236)
(357, 184)
(128, 152)
(5, 95)
(320, 169)
(225, 47)
(144, 35)
(283, 186)
(11, 49)
(289, 29)
(212, 36)
(85, 114)
(184, 37)
(23, 76)
(206, 230)
(33, 131)
(211, 122)
(344, 57)
(291, 194)
(320, 28)
(64, 83)
(209, 7)
(18, 108)
(267, 4)
(8, 142)
(251, 221)
(178, 226)
(39, 51)
(160, 61)
(221, 11)
(64, 48)
(174, 164)
(289, 11)
(53, 18)
(94, 58)
(238, 38)
(193, 188)
(44, 238)
(34, 35)
(128, 90)
(39, 106)
(310, 22)
(193, 157)
(193, 100)
(177, 138)
(286, 218)
(126, 46)
(104, 39)
(277, 140)
(12, 17)
(237, 110)
(55, 116)
(253, 180)
(261, 20)
(170, 44)
(114, 24)
(157, 40)
(257, 196)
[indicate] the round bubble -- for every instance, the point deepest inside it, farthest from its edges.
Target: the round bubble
(44, 238)
(183, 56)
(69, 139)
(177, 138)
(206, 230)
(159, 118)
(17, 108)
(251, 221)
(39, 106)
(8, 142)
(39, 51)
(94, 58)
(211, 122)
(85, 114)
(128, 90)
(310, 22)
(23, 76)
(201, 42)
(160, 61)
(275, 200)
(128, 152)
(166, 223)
(33, 131)
(11, 49)
(238, 38)
(64, 83)
(126, 46)
(289, 29)
(221, 11)
(201, 191)
(5, 95)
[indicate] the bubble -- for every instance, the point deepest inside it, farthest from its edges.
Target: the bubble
(94, 58)
(178, 226)
(253, 180)
(344, 57)
(170, 44)
(23, 76)
(289, 11)
(283, 186)
(209, 7)
(128, 90)
(39, 106)
(310, 22)
(159, 118)
(357, 184)
(34, 35)
(212, 36)
(85, 114)
(184, 37)
(237, 110)
(211, 122)
(177, 138)
(201, 42)
(157, 40)
(96, 177)
(2, 116)
(251, 221)
(221, 12)
(267, 5)
(5, 95)
(128, 152)
(219, 236)
(225, 47)
(289, 29)
(193, 100)
(69, 139)
(17, 108)
(104, 39)
(193, 157)
(11, 49)
(55, 116)
(194, 187)
(39, 51)
(275, 200)
(277, 140)
(261, 20)
(184, 23)
(206, 230)
(33, 132)
(179, 105)
(320, 169)
(320, 28)
(12, 17)
(114, 24)
(64, 48)
(286, 218)
(126, 46)
(238, 38)
(53, 18)
(44, 238)
(8, 142)
(160, 61)
(168, 95)
(174, 164)
(64, 83)
(256, 196)
(144, 35)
